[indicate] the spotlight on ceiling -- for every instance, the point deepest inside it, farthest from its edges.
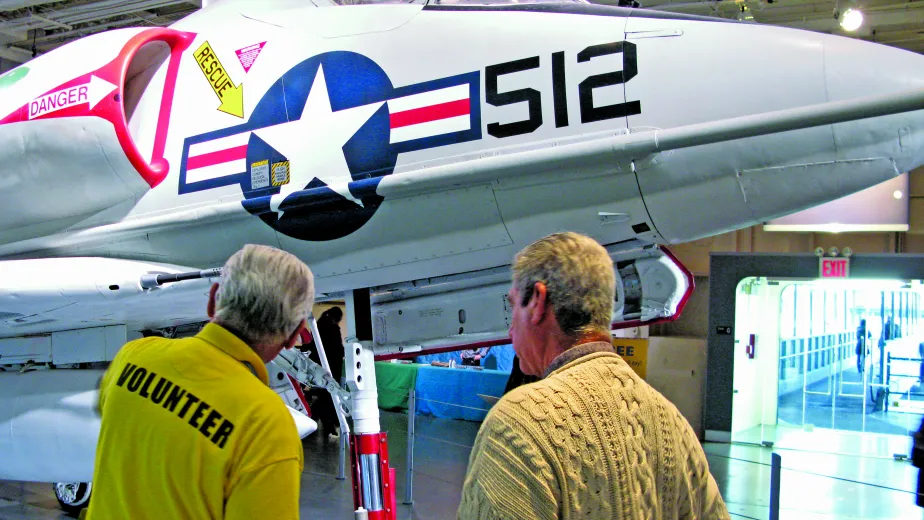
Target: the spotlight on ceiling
(744, 14)
(852, 19)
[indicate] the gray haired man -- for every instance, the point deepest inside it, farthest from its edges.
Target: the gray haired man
(591, 440)
(190, 428)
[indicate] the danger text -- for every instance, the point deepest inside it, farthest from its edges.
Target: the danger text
(58, 100)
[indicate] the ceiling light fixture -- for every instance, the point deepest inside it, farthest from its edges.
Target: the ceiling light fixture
(744, 14)
(852, 19)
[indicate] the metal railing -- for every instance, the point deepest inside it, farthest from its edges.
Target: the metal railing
(412, 436)
(889, 375)
(842, 339)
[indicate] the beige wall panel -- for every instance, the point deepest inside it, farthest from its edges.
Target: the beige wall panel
(914, 244)
(695, 255)
(916, 215)
(676, 368)
(745, 240)
(916, 183)
(780, 242)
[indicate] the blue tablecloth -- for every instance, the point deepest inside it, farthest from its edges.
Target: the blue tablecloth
(457, 386)
(498, 358)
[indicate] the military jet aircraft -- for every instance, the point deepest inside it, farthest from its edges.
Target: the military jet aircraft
(405, 151)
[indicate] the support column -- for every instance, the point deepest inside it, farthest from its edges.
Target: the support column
(411, 427)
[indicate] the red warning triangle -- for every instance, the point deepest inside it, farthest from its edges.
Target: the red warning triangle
(248, 55)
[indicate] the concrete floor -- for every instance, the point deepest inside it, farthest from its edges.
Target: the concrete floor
(814, 486)
(441, 457)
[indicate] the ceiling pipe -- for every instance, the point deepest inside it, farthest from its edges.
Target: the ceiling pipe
(115, 8)
(79, 33)
(14, 36)
(15, 54)
(792, 11)
(50, 21)
(86, 13)
(12, 5)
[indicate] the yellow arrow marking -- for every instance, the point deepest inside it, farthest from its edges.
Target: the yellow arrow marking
(231, 97)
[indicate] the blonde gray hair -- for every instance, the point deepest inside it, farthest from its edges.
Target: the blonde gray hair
(263, 294)
(579, 277)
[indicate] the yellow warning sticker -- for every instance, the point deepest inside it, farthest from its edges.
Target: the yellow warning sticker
(280, 173)
(231, 96)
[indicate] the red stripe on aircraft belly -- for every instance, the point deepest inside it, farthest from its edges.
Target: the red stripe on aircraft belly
(219, 157)
(430, 113)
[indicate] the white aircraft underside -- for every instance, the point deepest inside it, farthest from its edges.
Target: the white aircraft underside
(412, 149)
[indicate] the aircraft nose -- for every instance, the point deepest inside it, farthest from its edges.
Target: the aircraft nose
(856, 69)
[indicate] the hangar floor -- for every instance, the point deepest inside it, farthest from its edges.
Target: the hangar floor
(867, 488)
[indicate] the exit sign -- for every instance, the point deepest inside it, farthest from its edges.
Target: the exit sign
(833, 267)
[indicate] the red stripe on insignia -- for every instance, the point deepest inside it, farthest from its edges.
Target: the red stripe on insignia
(213, 158)
(430, 113)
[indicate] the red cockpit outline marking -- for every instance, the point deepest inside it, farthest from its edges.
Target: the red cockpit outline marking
(112, 109)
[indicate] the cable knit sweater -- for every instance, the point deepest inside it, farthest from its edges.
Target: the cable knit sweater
(590, 441)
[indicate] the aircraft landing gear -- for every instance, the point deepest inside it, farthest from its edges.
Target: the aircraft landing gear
(73, 496)
(373, 476)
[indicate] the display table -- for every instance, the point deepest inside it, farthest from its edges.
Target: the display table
(457, 386)
(394, 381)
(498, 358)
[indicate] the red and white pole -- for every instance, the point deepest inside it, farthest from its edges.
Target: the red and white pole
(373, 478)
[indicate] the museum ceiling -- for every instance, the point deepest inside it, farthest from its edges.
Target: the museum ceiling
(29, 27)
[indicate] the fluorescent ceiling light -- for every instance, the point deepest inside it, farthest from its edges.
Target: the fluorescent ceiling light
(852, 19)
(837, 228)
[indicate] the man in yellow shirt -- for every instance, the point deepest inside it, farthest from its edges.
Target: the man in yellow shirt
(591, 440)
(190, 428)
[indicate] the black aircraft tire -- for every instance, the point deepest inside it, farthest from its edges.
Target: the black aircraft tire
(72, 496)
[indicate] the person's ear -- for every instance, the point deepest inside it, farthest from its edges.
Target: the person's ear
(293, 339)
(538, 303)
(210, 308)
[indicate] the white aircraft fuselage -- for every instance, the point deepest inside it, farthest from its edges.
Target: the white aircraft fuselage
(359, 111)
(388, 143)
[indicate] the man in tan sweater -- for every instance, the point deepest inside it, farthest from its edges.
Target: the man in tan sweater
(590, 440)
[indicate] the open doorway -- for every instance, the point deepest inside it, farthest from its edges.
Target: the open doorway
(827, 365)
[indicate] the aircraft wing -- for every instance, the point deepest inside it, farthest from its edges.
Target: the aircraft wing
(589, 153)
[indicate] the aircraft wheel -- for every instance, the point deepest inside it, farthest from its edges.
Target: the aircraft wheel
(73, 496)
